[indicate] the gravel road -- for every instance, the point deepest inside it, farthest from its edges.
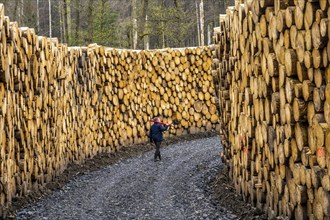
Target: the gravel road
(139, 188)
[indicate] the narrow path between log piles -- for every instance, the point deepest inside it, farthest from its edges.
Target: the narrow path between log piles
(139, 188)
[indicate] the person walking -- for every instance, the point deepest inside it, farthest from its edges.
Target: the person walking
(156, 135)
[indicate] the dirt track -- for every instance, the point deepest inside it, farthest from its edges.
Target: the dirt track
(187, 184)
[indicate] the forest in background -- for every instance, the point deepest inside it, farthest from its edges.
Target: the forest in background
(132, 24)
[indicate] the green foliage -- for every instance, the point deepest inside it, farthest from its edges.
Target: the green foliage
(169, 24)
(101, 27)
(105, 25)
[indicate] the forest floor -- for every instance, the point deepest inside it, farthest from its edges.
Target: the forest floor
(189, 183)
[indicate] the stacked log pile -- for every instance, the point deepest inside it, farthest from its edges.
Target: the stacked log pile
(272, 77)
(62, 104)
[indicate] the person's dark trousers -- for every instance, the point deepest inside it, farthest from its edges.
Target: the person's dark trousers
(157, 152)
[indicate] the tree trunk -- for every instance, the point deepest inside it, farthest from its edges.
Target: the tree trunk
(163, 34)
(77, 35)
(60, 13)
(21, 13)
(38, 17)
(90, 20)
(15, 10)
(67, 21)
(198, 27)
(146, 35)
(7, 6)
(202, 21)
(176, 3)
(50, 18)
(134, 20)
(209, 32)
(63, 23)
(144, 25)
(102, 13)
(163, 27)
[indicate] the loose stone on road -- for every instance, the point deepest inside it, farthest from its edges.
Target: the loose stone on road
(139, 188)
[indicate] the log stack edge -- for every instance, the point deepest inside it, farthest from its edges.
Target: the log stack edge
(62, 104)
(272, 78)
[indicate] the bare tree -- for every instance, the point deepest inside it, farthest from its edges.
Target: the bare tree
(201, 10)
(15, 10)
(144, 25)
(60, 13)
(21, 13)
(146, 35)
(38, 17)
(77, 34)
(90, 20)
(67, 20)
(134, 17)
(163, 26)
(209, 32)
(50, 17)
(198, 27)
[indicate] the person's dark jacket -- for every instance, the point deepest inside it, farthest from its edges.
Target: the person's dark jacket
(156, 132)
